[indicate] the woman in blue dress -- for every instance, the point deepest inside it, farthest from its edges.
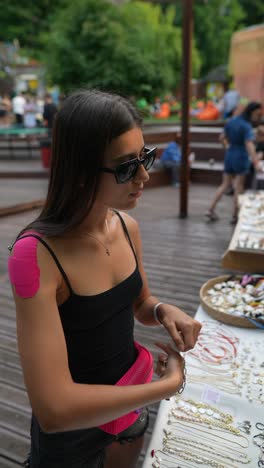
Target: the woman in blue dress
(238, 139)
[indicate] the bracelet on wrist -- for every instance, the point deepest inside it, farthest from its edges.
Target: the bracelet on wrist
(183, 381)
(155, 312)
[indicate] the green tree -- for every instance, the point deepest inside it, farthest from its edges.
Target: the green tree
(158, 40)
(254, 11)
(215, 22)
(25, 20)
(133, 49)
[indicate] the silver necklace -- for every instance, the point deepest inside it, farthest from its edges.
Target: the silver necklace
(107, 251)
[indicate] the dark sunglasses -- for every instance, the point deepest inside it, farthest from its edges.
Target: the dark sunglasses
(127, 170)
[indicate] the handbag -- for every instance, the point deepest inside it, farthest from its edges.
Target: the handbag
(139, 373)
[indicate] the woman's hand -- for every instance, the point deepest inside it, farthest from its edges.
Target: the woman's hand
(171, 364)
(161, 364)
(182, 328)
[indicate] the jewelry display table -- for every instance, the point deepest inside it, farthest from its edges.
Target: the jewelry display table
(246, 249)
(173, 435)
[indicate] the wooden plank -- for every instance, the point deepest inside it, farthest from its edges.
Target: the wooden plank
(21, 207)
(8, 463)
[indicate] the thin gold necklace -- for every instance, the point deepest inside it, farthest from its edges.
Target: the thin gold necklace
(107, 251)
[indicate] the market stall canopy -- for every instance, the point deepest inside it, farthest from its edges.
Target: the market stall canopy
(217, 75)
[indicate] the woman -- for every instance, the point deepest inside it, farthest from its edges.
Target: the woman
(238, 139)
(77, 278)
(30, 112)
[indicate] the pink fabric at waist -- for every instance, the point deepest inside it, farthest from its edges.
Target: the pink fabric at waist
(139, 373)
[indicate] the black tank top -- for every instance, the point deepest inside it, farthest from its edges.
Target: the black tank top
(99, 329)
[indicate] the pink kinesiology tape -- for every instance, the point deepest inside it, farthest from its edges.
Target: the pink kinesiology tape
(139, 373)
(23, 267)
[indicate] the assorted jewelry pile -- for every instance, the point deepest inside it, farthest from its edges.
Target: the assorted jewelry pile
(240, 296)
(258, 440)
(203, 435)
(251, 223)
(220, 360)
(214, 358)
(196, 433)
(254, 204)
(250, 241)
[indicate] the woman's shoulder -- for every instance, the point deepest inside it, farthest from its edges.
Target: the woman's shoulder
(28, 256)
(25, 242)
(129, 221)
(132, 226)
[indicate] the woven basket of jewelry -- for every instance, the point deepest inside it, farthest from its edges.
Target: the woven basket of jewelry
(235, 300)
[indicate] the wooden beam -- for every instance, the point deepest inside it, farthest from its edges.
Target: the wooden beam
(186, 96)
(21, 207)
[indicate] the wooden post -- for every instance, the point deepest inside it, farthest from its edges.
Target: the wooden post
(186, 95)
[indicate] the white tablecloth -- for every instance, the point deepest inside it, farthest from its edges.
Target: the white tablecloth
(239, 407)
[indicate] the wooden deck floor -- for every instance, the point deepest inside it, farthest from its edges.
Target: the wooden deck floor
(179, 256)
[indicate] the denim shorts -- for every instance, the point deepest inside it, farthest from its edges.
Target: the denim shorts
(236, 162)
(84, 448)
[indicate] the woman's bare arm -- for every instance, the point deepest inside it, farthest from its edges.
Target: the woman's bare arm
(182, 328)
(223, 139)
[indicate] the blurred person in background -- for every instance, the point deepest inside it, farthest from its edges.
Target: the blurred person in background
(18, 104)
(260, 138)
(5, 110)
(238, 139)
(171, 160)
(30, 112)
(230, 101)
(251, 182)
(49, 112)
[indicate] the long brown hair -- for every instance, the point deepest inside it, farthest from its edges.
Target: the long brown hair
(85, 124)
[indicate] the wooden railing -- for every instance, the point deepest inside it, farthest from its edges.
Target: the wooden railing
(204, 142)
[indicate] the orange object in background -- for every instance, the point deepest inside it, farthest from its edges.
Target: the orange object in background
(210, 112)
(200, 105)
(164, 112)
